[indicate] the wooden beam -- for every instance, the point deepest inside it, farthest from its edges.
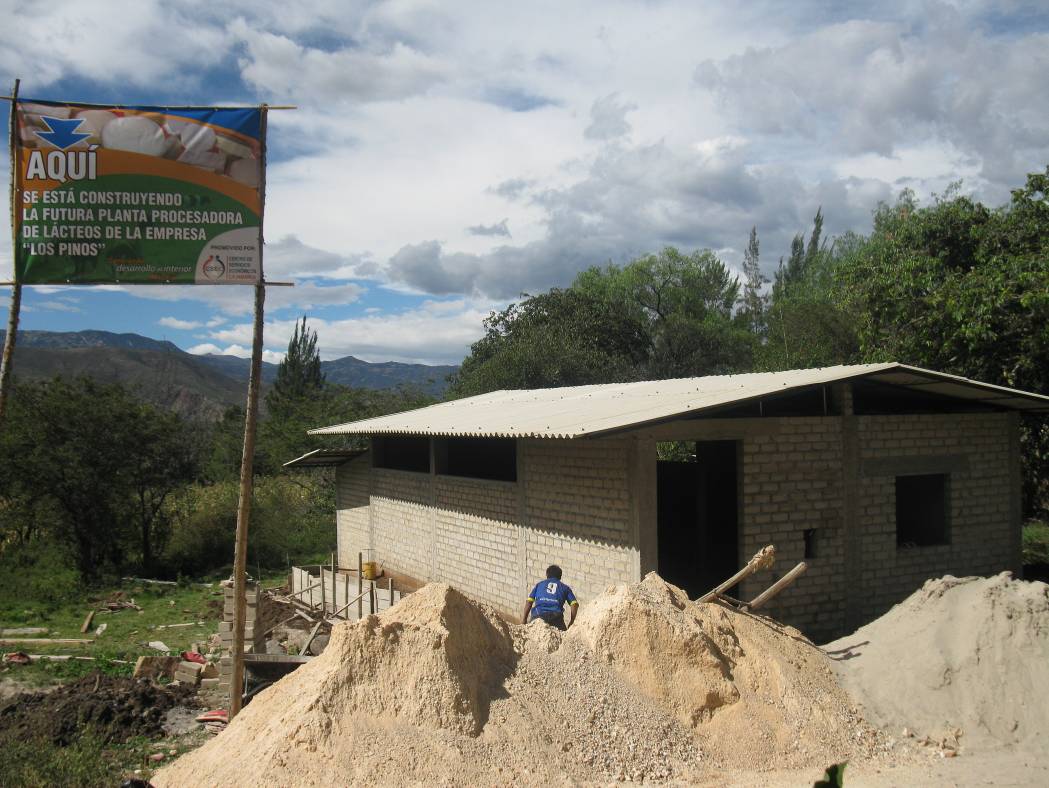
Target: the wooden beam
(773, 590)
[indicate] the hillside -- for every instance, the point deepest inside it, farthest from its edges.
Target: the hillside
(202, 386)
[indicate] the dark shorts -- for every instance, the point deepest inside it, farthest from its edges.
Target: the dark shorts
(553, 619)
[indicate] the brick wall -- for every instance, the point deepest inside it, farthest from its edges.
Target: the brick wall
(351, 509)
(792, 481)
(477, 539)
(571, 505)
(974, 449)
(402, 521)
(577, 510)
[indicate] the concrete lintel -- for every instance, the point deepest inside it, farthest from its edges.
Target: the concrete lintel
(913, 466)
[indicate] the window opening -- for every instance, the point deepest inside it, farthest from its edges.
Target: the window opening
(494, 459)
(401, 452)
(922, 506)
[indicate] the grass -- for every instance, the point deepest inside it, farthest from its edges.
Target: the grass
(37, 595)
(37, 592)
(1036, 543)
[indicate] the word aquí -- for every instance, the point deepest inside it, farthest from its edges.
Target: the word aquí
(62, 165)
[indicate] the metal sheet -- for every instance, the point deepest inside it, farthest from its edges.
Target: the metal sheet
(580, 411)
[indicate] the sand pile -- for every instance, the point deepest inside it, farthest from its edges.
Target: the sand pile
(756, 693)
(966, 653)
(437, 690)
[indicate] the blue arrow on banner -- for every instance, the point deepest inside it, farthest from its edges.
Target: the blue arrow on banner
(63, 133)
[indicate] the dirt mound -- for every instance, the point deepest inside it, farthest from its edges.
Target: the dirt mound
(432, 663)
(968, 654)
(438, 690)
(116, 708)
(756, 693)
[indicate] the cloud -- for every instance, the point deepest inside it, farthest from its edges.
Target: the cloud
(873, 87)
(608, 118)
(240, 351)
(59, 306)
(181, 325)
(233, 300)
(436, 332)
(278, 66)
(499, 228)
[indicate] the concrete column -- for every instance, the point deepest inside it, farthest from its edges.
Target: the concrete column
(850, 478)
(641, 472)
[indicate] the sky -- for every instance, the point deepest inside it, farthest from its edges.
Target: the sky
(447, 157)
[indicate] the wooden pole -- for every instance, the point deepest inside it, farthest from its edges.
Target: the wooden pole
(763, 559)
(16, 287)
(360, 585)
(774, 589)
(240, 559)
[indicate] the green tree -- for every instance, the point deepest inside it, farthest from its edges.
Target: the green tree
(961, 288)
(299, 375)
(103, 461)
(754, 302)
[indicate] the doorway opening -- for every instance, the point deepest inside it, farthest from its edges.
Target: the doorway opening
(698, 516)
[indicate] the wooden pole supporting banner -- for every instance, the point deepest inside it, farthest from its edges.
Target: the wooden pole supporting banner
(16, 287)
(240, 559)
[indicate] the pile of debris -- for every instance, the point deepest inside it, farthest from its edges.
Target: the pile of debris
(646, 685)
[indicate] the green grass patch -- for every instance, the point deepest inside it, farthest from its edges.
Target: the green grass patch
(1036, 543)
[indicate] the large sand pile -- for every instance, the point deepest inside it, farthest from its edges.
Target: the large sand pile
(438, 690)
(968, 655)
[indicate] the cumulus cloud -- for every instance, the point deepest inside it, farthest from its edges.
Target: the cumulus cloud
(180, 325)
(277, 65)
(873, 86)
(240, 351)
(436, 332)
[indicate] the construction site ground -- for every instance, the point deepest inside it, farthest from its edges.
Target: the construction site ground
(948, 688)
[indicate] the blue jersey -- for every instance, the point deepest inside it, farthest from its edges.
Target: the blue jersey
(550, 596)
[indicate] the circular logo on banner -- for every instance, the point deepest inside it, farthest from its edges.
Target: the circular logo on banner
(213, 267)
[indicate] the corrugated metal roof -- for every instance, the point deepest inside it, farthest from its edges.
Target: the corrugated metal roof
(578, 411)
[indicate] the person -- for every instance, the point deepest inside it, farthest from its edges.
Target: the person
(548, 598)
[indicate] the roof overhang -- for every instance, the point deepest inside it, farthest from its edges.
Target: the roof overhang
(587, 411)
(324, 458)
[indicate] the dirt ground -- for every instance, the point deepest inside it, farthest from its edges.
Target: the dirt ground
(117, 708)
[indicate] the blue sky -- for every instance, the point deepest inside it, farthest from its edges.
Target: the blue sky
(446, 157)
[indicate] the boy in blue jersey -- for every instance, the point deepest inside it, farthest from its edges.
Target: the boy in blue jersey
(548, 598)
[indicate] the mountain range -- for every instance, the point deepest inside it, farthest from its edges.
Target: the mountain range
(203, 386)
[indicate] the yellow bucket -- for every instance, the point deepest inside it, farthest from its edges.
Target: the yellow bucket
(370, 570)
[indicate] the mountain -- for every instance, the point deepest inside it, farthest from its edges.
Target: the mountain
(350, 371)
(202, 386)
(169, 378)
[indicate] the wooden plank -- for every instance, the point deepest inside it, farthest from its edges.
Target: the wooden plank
(313, 634)
(763, 559)
(774, 589)
(87, 621)
(46, 641)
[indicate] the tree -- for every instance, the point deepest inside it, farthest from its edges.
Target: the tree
(754, 303)
(103, 460)
(299, 374)
(663, 315)
(962, 288)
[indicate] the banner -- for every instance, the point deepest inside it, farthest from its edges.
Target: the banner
(137, 195)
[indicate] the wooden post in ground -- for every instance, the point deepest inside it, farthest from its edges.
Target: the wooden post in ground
(240, 558)
(16, 288)
(360, 585)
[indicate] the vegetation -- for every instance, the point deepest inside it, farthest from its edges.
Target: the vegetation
(109, 484)
(954, 286)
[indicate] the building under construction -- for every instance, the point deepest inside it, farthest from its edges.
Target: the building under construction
(878, 476)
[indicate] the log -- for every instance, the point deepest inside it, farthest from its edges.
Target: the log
(46, 641)
(23, 631)
(774, 589)
(763, 559)
(87, 621)
(309, 640)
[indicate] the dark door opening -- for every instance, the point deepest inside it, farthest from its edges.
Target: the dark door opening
(698, 517)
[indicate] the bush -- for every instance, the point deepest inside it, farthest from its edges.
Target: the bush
(292, 519)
